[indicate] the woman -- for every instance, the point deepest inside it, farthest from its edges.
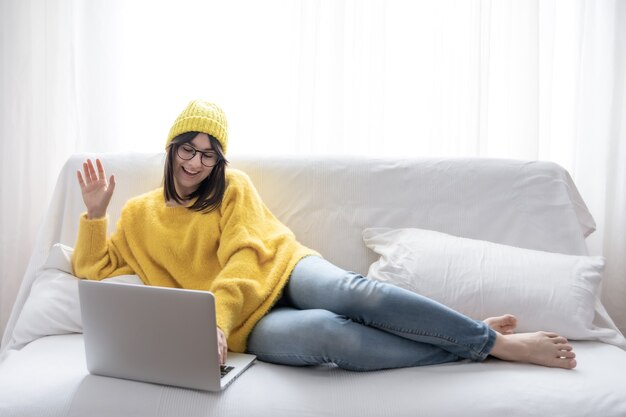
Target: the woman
(208, 229)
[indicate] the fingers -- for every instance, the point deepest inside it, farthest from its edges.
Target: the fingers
(90, 176)
(224, 355)
(111, 185)
(81, 182)
(100, 169)
(90, 171)
(87, 170)
(222, 345)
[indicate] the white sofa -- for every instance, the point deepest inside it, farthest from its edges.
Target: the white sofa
(328, 203)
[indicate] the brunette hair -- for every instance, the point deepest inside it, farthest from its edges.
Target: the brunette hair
(211, 190)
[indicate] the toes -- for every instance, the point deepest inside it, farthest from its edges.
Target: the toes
(569, 363)
(511, 319)
(566, 363)
(508, 320)
(559, 340)
(567, 355)
(503, 324)
(564, 346)
(555, 337)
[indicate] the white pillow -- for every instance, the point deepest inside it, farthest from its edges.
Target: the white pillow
(52, 306)
(546, 291)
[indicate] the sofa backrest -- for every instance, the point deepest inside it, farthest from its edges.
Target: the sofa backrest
(328, 202)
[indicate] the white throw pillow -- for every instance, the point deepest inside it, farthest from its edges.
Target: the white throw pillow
(546, 291)
(52, 306)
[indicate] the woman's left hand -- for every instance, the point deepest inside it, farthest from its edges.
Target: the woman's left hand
(222, 346)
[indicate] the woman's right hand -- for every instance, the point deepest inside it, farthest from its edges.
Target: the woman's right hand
(222, 346)
(95, 189)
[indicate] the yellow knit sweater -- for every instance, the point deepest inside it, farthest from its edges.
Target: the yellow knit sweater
(240, 252)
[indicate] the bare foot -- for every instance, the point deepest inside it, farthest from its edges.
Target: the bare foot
(502, 324)
(541, 348)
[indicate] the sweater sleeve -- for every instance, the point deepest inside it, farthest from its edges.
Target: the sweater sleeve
(249, 253)
(95, 256)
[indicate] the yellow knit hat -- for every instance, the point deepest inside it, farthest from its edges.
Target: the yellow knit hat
(201, 116)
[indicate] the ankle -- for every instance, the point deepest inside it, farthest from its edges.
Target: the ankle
(507, 348)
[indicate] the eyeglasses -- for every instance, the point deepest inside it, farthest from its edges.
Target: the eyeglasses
(187, 152)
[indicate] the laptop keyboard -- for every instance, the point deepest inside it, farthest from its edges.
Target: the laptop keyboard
(225, 370)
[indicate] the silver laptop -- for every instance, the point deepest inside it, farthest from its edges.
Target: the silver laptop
(155, 334)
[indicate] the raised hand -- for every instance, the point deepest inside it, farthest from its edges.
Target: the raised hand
(96, 191)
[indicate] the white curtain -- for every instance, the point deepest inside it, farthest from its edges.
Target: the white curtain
(523, 79)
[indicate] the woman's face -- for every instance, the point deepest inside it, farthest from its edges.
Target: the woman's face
(189, 173)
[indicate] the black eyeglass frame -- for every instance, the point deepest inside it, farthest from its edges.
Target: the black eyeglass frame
(203, 155)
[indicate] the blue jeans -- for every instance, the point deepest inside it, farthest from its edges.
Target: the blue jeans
(328, 315)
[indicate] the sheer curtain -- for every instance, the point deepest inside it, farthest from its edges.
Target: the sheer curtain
(510, 78)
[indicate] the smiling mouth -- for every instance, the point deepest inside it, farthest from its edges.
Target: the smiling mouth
(189, 172)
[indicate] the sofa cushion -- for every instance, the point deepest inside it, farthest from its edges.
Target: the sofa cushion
(53, 307)
(546, 291)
